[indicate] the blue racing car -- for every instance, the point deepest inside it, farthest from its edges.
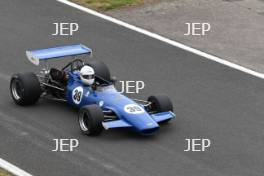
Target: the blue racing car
(89, 87)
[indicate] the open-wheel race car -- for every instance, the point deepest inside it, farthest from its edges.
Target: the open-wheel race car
(89, 87)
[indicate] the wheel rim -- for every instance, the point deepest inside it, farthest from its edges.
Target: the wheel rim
(83, 121)
(16, 89)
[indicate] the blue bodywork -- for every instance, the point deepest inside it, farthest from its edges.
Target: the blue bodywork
(108, 98)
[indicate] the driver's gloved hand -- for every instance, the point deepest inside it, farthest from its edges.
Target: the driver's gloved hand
(94, 86)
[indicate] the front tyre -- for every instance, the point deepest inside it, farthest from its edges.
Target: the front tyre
(90, 120)
(25, 88)
(160, 103)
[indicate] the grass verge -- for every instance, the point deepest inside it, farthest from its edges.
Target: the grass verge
(4, 173)
(103, 5)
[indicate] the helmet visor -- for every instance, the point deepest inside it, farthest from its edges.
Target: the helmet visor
(88, 76)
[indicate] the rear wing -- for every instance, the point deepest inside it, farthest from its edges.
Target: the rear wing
(36, 56)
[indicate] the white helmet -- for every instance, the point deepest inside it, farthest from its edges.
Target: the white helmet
(87, 75)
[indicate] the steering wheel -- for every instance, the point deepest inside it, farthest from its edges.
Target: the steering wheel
(77, 64)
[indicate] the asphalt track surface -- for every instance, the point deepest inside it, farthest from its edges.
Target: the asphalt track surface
(211, 101)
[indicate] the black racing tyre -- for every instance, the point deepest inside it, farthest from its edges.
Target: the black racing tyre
(90, 119)
(160, 103)
(25, 88)
(100, 69)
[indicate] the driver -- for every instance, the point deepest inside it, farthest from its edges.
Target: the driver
(87, 76)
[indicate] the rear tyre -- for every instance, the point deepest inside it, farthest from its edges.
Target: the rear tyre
(90, 120)
(160, 103)
(25, 88)
(100, 69)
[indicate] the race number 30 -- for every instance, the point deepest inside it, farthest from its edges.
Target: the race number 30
(77, 95)
(133, 109)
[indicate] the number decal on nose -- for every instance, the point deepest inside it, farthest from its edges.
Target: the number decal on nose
(133, 109)
(77, 95)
